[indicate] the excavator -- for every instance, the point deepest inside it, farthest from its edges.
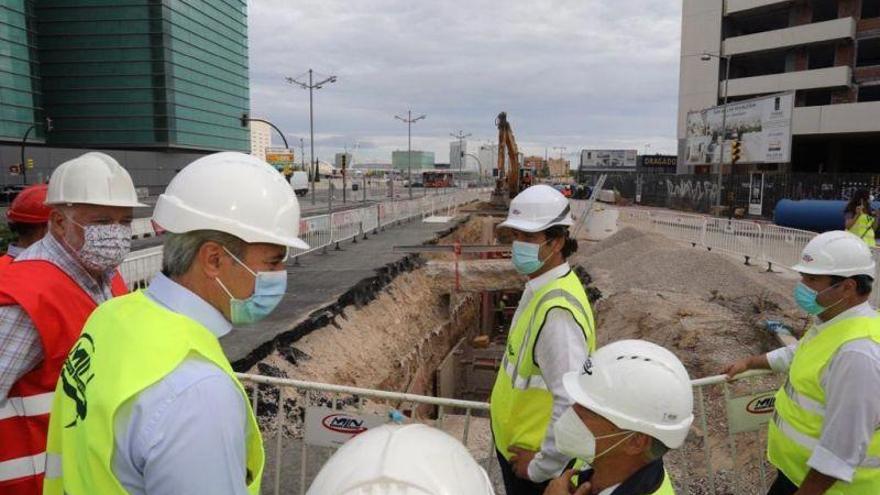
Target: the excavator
(510, 179)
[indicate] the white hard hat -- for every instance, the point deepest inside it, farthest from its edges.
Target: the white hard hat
(537, 209)
(836, 253)
(412, 459)
(92, 179)
(234, 193)
(638, 386)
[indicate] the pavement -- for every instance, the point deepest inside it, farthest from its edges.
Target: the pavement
(323, 283)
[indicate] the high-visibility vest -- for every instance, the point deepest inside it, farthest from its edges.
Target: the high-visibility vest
(58, 308)
(128, 344)
(665, 488)
(521, 406)
(800, 409)
(864, 228)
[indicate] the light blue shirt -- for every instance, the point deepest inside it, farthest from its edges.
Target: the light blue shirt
(187, 433)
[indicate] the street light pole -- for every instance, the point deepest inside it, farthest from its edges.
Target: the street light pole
(409, 122)
(311, 86)
(726, 58)
(461, 154)
(23, 165)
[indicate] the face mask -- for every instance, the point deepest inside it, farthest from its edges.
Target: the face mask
(269, 289)
(104, 246)
(805, 297)
(575, 440)
(526, 258)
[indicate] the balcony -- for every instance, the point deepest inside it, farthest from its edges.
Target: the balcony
(830, 77)
(820, 32)
(737, 6)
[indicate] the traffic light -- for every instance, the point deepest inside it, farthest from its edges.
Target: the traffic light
(30, 163)
(735, 151)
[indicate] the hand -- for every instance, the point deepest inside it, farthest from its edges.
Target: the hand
(737, 367)
(562, 485)
(520, 461)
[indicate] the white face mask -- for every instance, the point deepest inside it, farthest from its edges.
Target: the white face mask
(575, 440)
(104, 246)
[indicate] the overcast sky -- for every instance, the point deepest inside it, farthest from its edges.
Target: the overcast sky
(573, 73)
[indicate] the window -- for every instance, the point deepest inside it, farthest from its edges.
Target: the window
(868, 52)
(869, 93)
(824, 10)
(870, 9)
(821, 57)
(818, 97)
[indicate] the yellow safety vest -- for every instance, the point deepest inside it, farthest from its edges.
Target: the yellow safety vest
(127, 345)
(521, 406)
(864, 228)
(665, 488)
(800, 409)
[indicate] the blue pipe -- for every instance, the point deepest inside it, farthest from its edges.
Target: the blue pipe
(812, 214)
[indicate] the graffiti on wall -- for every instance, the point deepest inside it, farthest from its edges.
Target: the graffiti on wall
(695, 191)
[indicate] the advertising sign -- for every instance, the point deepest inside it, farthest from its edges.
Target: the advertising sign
(762, 125)
(325, 427)
(756, 194)
(664, 161)
(751, 412)
(608, 160)
(280, 158)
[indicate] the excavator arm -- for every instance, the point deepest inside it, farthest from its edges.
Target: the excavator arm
(508, 184)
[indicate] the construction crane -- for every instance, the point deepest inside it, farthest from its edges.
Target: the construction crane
(508, 184)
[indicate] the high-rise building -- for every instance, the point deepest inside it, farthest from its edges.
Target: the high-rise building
(826, 51)
(420, 160)
(488, 155)
(458, 159)
(261, 138)
(155, 84)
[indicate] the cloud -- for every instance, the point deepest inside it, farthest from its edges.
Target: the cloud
(574, 73)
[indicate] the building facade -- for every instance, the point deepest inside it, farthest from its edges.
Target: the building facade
(826, 51)
(400, 160)
(261, 138)
(162, 78)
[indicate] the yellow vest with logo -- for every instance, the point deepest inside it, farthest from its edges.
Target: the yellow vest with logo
(521, 406)
(800, 408)
(127, 345)
(864, 228)
(665, 488)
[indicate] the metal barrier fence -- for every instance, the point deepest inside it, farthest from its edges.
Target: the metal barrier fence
(142, 227)
(724, 453)
(736, 237)
(318, 232)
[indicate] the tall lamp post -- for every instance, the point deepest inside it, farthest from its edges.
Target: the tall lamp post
(409, 122)
(480, 164)
(461, 136)
(48, 125)
(705, 57)
(311, 86)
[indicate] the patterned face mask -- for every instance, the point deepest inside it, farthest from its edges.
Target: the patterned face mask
(104, 246)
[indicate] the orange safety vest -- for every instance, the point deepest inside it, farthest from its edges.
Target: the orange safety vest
(58, 308)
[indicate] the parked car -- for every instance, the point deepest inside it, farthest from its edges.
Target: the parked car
(299, 181)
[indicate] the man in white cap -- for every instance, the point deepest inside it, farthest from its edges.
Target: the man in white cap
(633, 403)
(552, 333)
(402, 460)
(147, 401)
(47, 294)
(824, 434)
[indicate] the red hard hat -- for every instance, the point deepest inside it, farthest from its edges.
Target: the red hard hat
(30, 206)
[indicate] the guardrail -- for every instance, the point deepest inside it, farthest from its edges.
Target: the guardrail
(319, 232)
(295, 435)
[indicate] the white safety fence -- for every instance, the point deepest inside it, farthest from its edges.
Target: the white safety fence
(304, 422)
(141, 228)
(320, 231)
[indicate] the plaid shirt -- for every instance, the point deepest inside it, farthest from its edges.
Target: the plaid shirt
(20, 348)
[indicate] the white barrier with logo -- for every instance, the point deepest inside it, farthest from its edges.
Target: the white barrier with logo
(140, 266)
(142, 227)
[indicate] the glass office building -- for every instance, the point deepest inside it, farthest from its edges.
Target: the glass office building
(20, 100)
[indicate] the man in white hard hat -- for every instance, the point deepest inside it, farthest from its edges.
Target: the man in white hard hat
(633, 403)
(402, 460)
(147, 401)
(47, 294)
(552, 333)
(824, 434)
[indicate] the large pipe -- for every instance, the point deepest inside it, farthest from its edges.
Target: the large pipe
(812, 214)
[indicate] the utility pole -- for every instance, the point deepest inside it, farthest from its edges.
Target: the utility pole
(409, 122)
(705, 57)
(560, 149)
(461, 154)
(311, 86)
(49, 128)
(302, 154)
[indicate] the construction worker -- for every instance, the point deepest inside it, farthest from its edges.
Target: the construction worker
(47, 294)
(860, 217)
(147, 401)
(28, 219)
(552, 333)
(823, 437)
(414, 459)
(633, 402)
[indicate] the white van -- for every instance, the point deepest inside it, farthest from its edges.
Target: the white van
(299, 181)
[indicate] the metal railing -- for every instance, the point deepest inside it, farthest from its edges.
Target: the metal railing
(320, 231)
(142, 227)
(728, 432)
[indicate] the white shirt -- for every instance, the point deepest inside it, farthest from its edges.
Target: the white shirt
(187, 433)
(560, 348)
(851, 381)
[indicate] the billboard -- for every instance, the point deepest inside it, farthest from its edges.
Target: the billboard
(608, 160)
(762, 125)
(280, 158)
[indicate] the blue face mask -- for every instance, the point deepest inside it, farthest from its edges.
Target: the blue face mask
(526, 258)
(269, 289)
(805, 298)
